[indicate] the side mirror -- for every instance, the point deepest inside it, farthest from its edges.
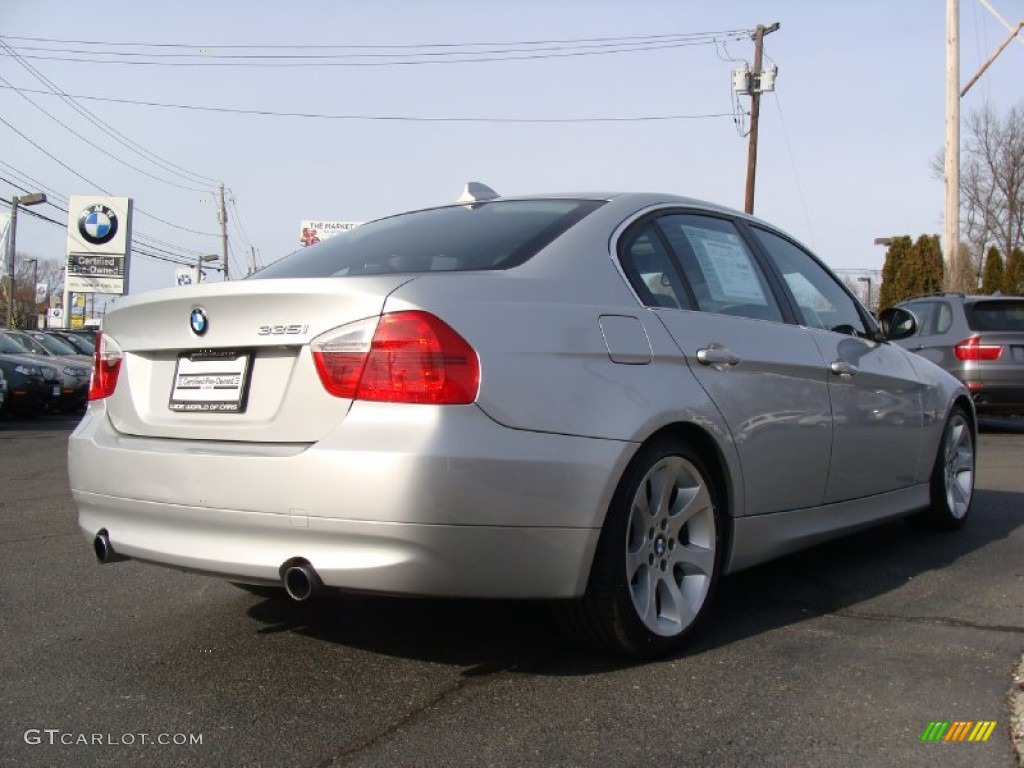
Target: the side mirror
(897, 323)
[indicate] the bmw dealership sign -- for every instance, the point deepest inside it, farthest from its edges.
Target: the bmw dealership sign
(99, 244)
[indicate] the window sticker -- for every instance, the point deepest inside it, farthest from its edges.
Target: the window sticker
(726, 266)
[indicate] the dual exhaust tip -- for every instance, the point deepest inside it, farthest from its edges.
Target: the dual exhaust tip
(300, 579)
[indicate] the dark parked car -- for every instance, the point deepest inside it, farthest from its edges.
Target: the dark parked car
(74, 371)
(32, 385)
(82, 343)
(979, 339)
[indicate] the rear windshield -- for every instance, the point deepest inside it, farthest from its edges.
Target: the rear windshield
(462, 238)
(996, 315)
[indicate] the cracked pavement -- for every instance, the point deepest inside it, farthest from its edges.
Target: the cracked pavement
(837, 656)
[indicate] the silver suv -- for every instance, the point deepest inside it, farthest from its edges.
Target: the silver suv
(979, 339)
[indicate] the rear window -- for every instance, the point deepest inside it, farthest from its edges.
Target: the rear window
(462, 238)
(995, 315)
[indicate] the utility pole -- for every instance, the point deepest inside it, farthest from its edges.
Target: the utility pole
(12, 230)
(34, 198)
(222, 217)
(35, 283)
(252, 264)
(951, 228)
(755, 109)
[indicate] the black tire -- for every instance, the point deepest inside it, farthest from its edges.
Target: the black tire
(657, 565)
(952, 481)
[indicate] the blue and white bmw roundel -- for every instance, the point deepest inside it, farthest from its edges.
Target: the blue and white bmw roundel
(97, 224)
(198, 321)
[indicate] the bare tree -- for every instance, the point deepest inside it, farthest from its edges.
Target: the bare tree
(991, 183)
(26, 276)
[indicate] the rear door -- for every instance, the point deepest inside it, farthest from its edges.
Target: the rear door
(766, 377)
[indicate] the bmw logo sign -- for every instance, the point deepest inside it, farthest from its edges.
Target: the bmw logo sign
(198, 321)
(97, 224)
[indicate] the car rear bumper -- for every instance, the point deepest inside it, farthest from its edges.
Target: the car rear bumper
(413, 500)
(996, 398)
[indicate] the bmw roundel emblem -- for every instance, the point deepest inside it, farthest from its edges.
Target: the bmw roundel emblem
(97, 224)
(198, 321)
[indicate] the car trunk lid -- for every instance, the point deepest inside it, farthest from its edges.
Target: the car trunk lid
(231, 361)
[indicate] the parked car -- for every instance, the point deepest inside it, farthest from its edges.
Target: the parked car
(82, 344)
(607, 401)
(89, 334)
(33, 386)
(978, 339)
(3, 390)
(75, 372)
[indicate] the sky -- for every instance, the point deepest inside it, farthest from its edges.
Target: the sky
(845, 149)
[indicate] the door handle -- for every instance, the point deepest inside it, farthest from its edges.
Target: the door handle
(717, 356)
(839, 368)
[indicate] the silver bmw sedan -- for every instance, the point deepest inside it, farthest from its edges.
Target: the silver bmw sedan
(605, 400)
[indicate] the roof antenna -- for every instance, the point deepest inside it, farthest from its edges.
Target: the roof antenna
(475, 192)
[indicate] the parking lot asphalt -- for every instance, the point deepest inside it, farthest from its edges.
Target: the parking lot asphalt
(838, 656)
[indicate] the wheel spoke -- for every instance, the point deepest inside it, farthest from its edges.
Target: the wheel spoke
(667, 477)
(636, 562)
(691, 502)
(643, 592)
(694, 559)
(675, 610)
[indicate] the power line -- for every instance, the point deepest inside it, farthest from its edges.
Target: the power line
(149, 240)
(236, 219)
(426, 56)
(142, 251)
(391, 118)
(208, 47)
(93, 183)
(399, 63)
(61, 163)
(108, 129)
(100, 149)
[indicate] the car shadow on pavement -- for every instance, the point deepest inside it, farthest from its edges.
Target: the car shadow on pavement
(489, 636)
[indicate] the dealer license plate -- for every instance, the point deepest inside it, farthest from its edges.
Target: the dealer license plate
(211, 380)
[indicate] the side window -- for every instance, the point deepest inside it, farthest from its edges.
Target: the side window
(924, 311)
(943, 317)
(649, 269)
(718, 267)
(821, 299)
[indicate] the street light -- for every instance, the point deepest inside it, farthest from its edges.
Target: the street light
(199, 264)
(35, 198)
(35, 297)
(868, 281)
(886, 241)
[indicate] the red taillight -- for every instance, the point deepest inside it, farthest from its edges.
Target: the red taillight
(106, 364)
(973, 349)
(412, 357)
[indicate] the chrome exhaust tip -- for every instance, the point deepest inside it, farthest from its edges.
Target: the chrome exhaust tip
(301, 581)
(104, 549)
